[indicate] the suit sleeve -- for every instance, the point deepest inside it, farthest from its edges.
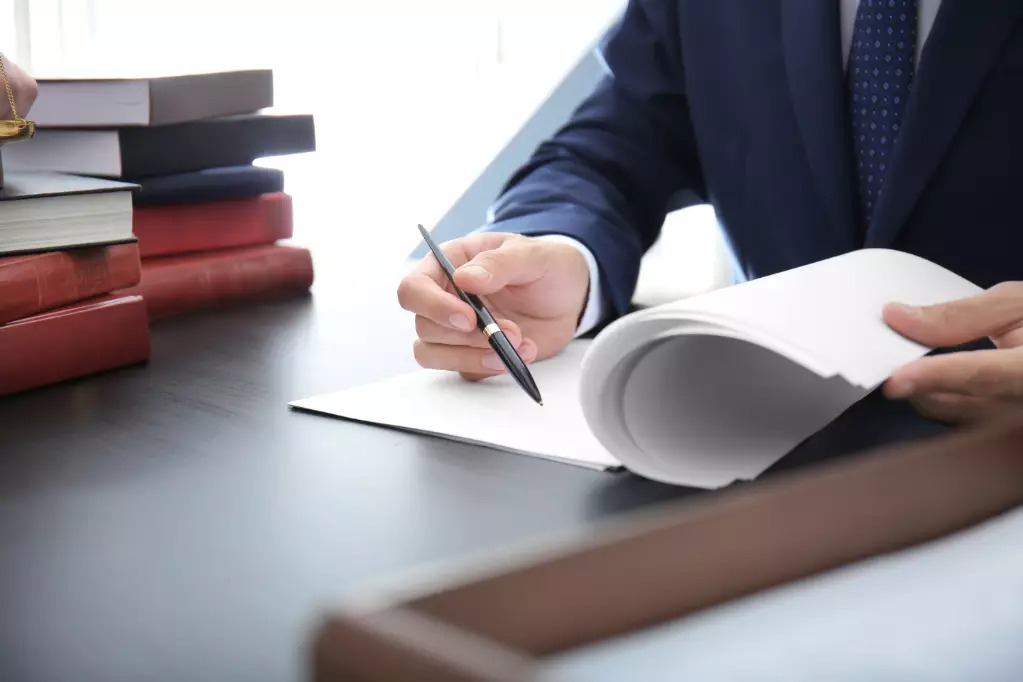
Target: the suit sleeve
(607, 177)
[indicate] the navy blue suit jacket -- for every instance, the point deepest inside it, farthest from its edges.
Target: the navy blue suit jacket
(741, 103)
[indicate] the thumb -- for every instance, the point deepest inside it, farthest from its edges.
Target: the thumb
(515, 262)
(990, 313)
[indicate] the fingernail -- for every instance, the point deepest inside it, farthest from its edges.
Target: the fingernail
(460, 322)
(911, 310)
(513, 338)
(491, 361)
(476, 272)
(900, 388)
(528, 351)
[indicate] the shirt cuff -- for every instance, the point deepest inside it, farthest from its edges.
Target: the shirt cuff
(593, 313)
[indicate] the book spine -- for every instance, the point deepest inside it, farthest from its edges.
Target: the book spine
(36, 283)
(182, 284)
(187, 228)
(73, 342)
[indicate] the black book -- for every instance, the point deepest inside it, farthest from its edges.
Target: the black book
(53, 211)
(135, 153)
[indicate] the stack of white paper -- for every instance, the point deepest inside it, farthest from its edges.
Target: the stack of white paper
(702, 392)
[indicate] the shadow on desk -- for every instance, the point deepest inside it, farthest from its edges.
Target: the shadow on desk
(873, 422)
(627, 492)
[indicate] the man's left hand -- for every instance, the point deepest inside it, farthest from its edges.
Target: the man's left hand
(963, 386)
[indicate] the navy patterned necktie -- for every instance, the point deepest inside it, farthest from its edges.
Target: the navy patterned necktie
(880, 75)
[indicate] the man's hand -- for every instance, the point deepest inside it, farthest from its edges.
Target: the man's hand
(23, 87)
(966, 385)
(535, 288)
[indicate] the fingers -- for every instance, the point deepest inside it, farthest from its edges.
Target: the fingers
(984, 373)
(469, 361)
(426, 290)
(953, 408)
(469, 354)
(990, 313)
(423, 295)
(431, 332)
(516, 261)
(961, 409)
(445, 324)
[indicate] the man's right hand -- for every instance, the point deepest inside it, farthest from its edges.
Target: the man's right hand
(535, 288)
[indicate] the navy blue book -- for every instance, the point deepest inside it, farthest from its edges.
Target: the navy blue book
(212, 184)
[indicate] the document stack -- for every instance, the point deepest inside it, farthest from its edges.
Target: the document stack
(68, 261)
(208, 219)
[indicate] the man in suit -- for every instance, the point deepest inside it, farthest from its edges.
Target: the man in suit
(814, 127)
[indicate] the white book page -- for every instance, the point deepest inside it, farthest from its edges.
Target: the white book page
(88, 152)
(494, 412)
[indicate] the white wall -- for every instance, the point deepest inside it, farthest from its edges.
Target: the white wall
(8, 30)
(412, 98)
(465, 35)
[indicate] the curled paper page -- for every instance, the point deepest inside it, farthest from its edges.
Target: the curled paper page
(719, 387)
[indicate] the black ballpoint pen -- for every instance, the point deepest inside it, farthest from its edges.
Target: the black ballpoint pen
(488, 325)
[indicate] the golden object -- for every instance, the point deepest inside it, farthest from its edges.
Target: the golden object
(19, 128)
(491, 329)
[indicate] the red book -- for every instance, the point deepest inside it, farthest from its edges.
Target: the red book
(180, 284)
(36, 283)
(75, 341)
(184, 228)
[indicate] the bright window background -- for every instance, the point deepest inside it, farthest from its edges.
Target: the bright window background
(412, 98)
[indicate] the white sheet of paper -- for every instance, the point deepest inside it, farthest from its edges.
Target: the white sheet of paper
(494, 412)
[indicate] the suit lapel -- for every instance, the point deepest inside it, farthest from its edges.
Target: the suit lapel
(813, 59)
(963, 45)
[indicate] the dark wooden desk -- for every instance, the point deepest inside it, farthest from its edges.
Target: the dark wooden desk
(178, 522)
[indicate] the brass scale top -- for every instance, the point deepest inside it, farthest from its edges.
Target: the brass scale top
(19, 128)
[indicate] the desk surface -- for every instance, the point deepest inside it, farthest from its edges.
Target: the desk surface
(178, 522)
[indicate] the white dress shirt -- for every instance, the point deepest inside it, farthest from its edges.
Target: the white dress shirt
(594, 310)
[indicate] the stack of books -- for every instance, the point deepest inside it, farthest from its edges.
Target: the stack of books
(68, 263)
(207, 218)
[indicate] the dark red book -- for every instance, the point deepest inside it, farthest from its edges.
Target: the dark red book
(187, 228)
(71, 342)
(174, 285)
(35, 283)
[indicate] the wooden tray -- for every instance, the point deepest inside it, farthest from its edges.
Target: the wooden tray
(657, 567)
